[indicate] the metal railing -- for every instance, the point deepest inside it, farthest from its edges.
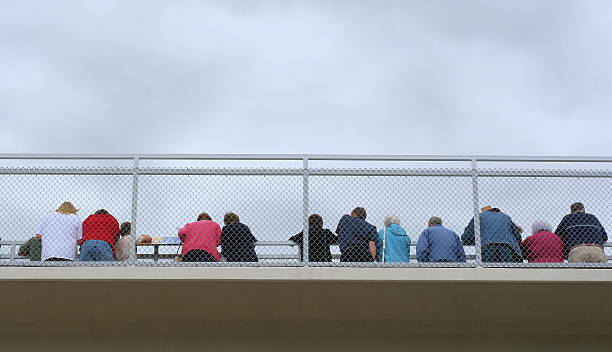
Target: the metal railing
(276, 202)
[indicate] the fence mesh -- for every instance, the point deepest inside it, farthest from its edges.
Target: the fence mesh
(536, 213)
(339, 216)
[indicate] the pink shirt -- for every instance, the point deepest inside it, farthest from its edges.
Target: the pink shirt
(543, 247)
(204, 235)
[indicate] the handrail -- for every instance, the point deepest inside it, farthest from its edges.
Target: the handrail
(14, 244)
(318, 157)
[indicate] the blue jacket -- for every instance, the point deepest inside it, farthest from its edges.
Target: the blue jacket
(495, 227)
(354, 231)
(439, 244)
(397, 245)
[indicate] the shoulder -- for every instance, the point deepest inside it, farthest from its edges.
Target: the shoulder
(345, 218)
(591, 217)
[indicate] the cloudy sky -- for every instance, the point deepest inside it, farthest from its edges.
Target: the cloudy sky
(390, 77)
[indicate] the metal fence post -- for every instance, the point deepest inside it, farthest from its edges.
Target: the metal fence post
(477, 245)
(305, 257)
(133, 253)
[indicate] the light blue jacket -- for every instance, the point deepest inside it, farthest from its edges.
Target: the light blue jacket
(396, 246)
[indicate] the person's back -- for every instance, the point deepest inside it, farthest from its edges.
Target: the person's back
(123, 246)
(59, 235)
(319, 240)
(583, 236)
(581, 228)
(439, 244)
(238, 243)
(500, 237)
(543, 247)
(203, 235)
(100, 233)
(356, 238)
(394, 244)
(102, 227)
(31, 249)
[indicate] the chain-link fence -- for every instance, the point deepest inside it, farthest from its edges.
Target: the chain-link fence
(314, 216)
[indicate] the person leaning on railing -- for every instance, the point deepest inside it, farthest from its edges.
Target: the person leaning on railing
(392, 243)
(319, 240)
(59, 232)
(237, 241)
(543, 246)
(124, 243)
(200, 240)
(100, 232)
(357, 237)
(583, 236)
(439, 244)
(499, 236)
(31, 249)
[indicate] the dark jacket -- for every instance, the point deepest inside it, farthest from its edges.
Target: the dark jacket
(319, 240)
(355, 231)
(580, 228)
(238, 243)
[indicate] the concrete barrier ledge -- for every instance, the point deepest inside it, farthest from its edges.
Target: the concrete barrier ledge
(308, 274)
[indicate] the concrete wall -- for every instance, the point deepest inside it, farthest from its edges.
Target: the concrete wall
(253, 309)
(285, 343)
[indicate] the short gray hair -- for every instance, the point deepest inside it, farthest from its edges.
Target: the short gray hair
(541, 225)
(391, 219)
(435, 220)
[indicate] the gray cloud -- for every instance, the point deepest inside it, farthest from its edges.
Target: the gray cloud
(436, 77)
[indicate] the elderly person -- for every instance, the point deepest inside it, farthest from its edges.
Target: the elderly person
(543, 246)
(356, 237)
(59, 232)
(392, 244)
(237, 241)
(200, 240)
(499, 236)
(439, 244)
(583, 236)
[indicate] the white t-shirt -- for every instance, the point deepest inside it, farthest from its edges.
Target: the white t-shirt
(60, 233)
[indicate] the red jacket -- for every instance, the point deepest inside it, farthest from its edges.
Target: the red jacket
(103, 227)
(543, 247)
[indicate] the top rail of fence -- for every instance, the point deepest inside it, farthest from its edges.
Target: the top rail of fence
(332, 157)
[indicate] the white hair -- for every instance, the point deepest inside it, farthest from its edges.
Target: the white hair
(540, 225)
(391, 219)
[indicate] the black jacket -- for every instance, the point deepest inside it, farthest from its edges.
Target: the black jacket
(319, 240)
(580, 228)
(238, 243)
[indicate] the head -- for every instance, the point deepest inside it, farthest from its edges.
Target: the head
(101, 211)
(577, 208)
(204, 216)
(434, 221)
(230, 218)
(126, 229)
(495, 210)
(486, 208)
(359, 212)
(67, 208)
(390, 220)
(540, 225)
(315, 220)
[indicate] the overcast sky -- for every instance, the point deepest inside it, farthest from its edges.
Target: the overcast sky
(391, 77)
